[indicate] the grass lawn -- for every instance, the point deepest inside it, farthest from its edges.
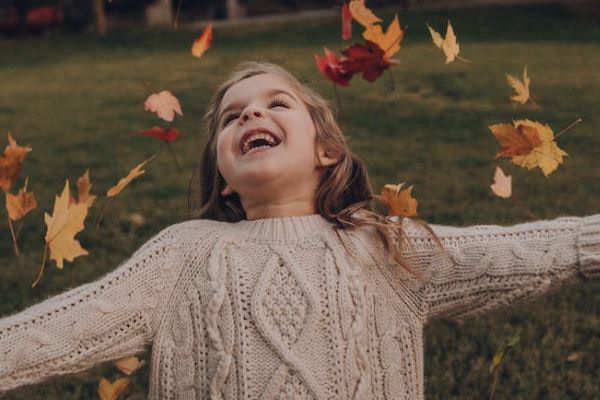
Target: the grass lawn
(77, 99)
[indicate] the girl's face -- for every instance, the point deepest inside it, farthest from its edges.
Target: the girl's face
(281, 180)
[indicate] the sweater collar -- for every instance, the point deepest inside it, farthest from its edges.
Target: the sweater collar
(283, 229)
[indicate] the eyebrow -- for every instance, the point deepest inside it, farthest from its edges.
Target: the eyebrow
(268, 93)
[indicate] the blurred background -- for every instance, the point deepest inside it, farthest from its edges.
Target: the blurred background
(75, 75)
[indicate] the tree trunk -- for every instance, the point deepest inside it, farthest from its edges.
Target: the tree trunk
(234, 9)
(99, 16)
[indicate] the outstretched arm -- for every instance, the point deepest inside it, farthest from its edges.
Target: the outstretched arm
(487, 266)
(113, 317)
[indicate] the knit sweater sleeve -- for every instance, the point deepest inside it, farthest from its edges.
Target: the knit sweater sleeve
(487, 266)
(113, 317)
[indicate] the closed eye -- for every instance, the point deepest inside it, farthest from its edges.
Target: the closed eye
(275, 102)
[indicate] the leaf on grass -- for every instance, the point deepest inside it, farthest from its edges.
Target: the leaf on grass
(362, 14)
(129, 365)
(398, 202)
(389, 41)
(164, 104)
(134, 173)
(530, 144)
(66, 221)
(166, 135)
(203, 43)
(520, 87)
(502, 186)
(448, 44)
(346, 22)
(20, 204)
(83, 187)
(10, 163)
(111, 391)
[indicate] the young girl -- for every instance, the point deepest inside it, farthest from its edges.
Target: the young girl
(288, 286)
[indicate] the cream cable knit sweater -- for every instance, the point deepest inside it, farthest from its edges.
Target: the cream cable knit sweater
(276, 309)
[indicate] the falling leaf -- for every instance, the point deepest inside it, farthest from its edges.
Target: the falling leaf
(164, 104)
(575, 356)
(530, 144)
(10, 163)
(136, 219)
(398, 202)
(134, 173)
(521, 87)
(331, 68)
(166, 135)
(84, 186)
(203, 43)
(389, 41)
(128, 365)
(346, 22)
(111, 391)
(362, 14)
(21, 204)
(448, 44)
(502, 186)
(66, 221)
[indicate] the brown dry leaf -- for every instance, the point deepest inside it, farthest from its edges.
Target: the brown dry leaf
(83, 187)
(10, 163)
(389, 41)
(66, 221)
(134, 173)
(521, 87)
(20, 204)
(129, 365)
(164, 104)
(502, 186)
(399, 203)
(111, 391)
(362, 14)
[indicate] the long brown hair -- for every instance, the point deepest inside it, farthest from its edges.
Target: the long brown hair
(344, 194)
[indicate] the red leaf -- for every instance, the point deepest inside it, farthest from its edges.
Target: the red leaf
(367, 58)
(331, 68)
(346, 22)
(166, 135)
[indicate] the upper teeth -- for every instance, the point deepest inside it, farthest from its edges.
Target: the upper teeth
(254, 136)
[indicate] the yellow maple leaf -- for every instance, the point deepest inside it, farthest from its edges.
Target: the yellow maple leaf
(134, 173)
(502, 186)
(111, 391)
(520, 87)
(398, 202)
(66, 221)
(546, 156)
(128, 365)
(10, 163)
(20, 204)
(449, 44)
(362, 14)
(389, 41)
(83, 187)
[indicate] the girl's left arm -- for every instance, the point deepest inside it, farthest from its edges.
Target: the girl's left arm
(487, 266)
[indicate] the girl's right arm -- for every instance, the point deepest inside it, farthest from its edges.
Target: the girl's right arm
(113, 317)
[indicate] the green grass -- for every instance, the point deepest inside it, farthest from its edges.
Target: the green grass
(77, 99)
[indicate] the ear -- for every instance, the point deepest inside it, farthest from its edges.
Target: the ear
(227, 190)
(327, 157)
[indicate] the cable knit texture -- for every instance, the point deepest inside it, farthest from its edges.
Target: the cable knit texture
(278, 308)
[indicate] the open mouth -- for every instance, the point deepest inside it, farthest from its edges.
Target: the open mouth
(259, 145)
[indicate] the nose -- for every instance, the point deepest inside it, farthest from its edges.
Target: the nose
(250, 111)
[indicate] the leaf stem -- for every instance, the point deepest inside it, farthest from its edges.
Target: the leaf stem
(104, 209)
(578, 120)
(42, 267)
(14, 238)
(337, 98)
(174, 156)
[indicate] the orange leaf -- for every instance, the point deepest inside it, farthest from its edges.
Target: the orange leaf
(10, 163)
(400, 203)
(128, 365)
(84, 186)
(389, 41)
(20, 205)
(362, 14)
(164, 104)
(502, 186)
(66, 221)
(515, 140)
(111, 391)
(203, 42)
(134, 173)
